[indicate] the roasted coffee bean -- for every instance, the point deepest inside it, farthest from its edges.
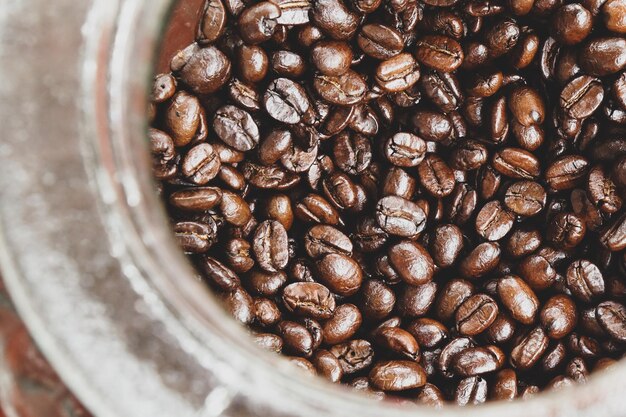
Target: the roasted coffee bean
(436, 176)
(405, 149)
(501, 330)
(529, 349)
(430, 395)
(571, 24)
(537, 272)
(439, 52)
(494, 221)
(204, 70)
(603, 56)
(236, 128)
(453, 294)
(526, 198)
(416, 300)
(398, 182)
(397, 342)
(471, 390)
(446, 245)
(614, 236)
(196, 237)
(379, 41)
(412, 262)
(314, 208)
(478, 361)
(239, 305)
(334, 19)
(340, 273)
(559, 316)
(602, 190)
(201, 164)
(340, 190)
(502, 37)
(483, 259)
(518, 298)
(287, 102)
(566, 230)
(354, 355)
(266, 283)
(343, 90)
(377, 300)
(397, 375)
(309, 299)
(612, 317)
(342, 325)
(585, 280)
(163, 88)
(270, 246)
(428, 333)
(257, 23)
(287, 64)
(476, 314)
(401, 217)
(322, 239)
(522, 242)
(352, 152)
(182, 118)
(331, 58)
(516, 163)
(398, 73)
(581, 97)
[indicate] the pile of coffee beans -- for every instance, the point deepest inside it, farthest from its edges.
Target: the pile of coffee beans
(421, 199)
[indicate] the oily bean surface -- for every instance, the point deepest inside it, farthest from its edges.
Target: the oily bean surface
(418, 199)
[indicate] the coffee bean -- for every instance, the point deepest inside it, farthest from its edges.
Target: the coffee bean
(412, 262)
(322, 239)
(287, 102)
(397, 375)
(446, 245)
(270, 246)
(476, 314)
(354, 355)
(342, 325)
(478, 361)
(340, 190)
(334, 19)
(529, 349)
(558, 316)
(566, 230)
(257, 23)
(331, 58)
(481, 260)
(415, 300)
(204, 70)
(518, 298)
(397, 342)
(571, 24)
(516, 163)
(603, 56)
(526, 198)
(340, 273)
(612, 317)
(436, 176)
(581, 97)
(379, 41)
(236, 128)
(343, 90)
(585, 280)
(428, 333)
(196, 237)
(494, 221)
(401, 217)
(614, 236)
(377, 300)
(353, 153)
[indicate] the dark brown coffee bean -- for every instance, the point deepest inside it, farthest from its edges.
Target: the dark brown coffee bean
(528, 137)
(288, 64)
(237, 255)
(558, 316)
(581, 97)
(204, 70)
(398, 73)
(529, 349)
(502, 37)
(431, 396)
(585, 280)
(446, 245)
(478, 360)
(334, 19)
(401, 217)
(163, 88)
(483, 259)
(523, 242)
(571, 24)
(614, 236)
(266, 283)
(196, 199)
(442, 89)
(518, 298)
(322, 239)
(439, 52)
(516, 163)
(566, 230)
(428, 333)
(603, 56)
(612, 317)
(453, 294)
(526, 198)
(236, 128)
(471, 390)
(239, 305)
(412, 262)
(405, 149)
(379, 41)
(501, 330)
(258, 22)
(353, 356)
(582, 345)
(342, 325)
(270, 246)
(398, 182)
(201, 164)
(340, 273)
(340, 190)
(397, 375)
(314, 208)
(415, 301)
(327, 365)
(352, 152)
(476, 314)
(343, 90)
(309, 299)
(397, 342)
(219, 274)
(267, 313)
(602, 190)
(196, 237)
(182, 118)
(269, 341)
(436, 176)
(332, 58)
(526, 106)
(297, 339)
(494, 221)
(537, 272)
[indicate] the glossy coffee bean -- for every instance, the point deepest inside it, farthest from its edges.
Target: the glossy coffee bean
(331, 58)
(476, 314)
(518, 298)
(439, 52)
(380, 41)
(401, 217)
(397, 375)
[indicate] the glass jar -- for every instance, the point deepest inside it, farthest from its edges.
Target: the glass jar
(88, 256)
